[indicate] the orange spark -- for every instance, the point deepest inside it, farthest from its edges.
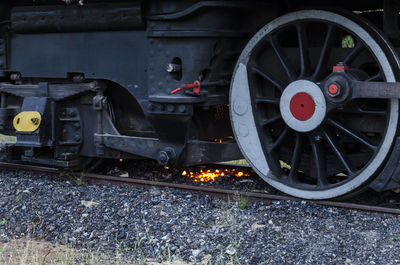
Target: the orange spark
(211, 175)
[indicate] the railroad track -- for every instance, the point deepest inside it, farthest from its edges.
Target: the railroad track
(218, 192)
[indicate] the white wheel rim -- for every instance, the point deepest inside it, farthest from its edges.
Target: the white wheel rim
(243, 122)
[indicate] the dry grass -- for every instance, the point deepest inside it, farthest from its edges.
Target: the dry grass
(27, 251)
(31, 252)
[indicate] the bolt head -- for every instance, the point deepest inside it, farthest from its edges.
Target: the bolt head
(334, 90)
(151, 107)
(170, 108)
(182, 108)
(163, 158)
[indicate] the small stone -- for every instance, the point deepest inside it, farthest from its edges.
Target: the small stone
(124, 175)
(166, 176)
(91, 244)
(230, 250)
(162, 213)
(155, 191)
(348, 261)
(397, 190)
(3, 202)
(78, 230)
(89, 204)
(256, 226)
(196, 252)
(121, 235)
(206, 259)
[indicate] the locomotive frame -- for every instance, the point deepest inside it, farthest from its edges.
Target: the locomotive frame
(158, 79)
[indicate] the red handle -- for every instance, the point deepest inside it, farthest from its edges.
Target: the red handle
(195, 86)
(176, 90)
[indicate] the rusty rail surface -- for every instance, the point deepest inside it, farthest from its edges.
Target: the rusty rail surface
(97, 178)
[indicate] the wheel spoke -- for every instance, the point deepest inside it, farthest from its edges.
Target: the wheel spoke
(353, 135)
(274, 101)
(275, 82)
(283, 59)
(305, 64)
(374, 77)
(270, 121)
(278, 141)
(353, 54)
(325, 52)
(319, 163)
(339, 153)
(296, 158)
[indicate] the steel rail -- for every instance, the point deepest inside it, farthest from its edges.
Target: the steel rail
(97, 178)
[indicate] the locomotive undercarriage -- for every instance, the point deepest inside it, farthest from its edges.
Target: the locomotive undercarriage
(312, 97)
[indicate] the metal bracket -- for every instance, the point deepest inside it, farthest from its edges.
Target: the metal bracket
(144, 147)
(52, 91)
(201, 152)
(99, 102)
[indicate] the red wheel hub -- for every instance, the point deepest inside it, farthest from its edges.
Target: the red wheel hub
(302, 106)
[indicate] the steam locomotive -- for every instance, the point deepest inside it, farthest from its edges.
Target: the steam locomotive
(306, 91)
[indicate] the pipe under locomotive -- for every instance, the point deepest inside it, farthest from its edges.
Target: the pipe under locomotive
(306, 92)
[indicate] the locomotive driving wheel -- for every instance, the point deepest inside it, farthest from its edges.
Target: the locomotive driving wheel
(290, 110)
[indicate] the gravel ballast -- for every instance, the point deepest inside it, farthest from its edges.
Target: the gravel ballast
(166, 224)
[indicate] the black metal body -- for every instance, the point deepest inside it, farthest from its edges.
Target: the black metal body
(102, 74)
(127, 46)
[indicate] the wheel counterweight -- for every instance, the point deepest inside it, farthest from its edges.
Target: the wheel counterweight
(302, 141)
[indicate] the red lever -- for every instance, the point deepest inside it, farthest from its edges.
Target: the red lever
(195, 87)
